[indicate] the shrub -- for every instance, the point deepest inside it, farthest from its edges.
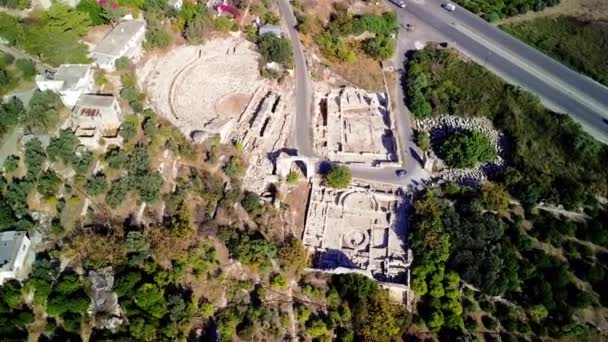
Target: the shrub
(275, 49)
(122, 63)
(292, 177)
(338, 177)
(97, 184)
(11, 163)
(27, 68)
(465, 150)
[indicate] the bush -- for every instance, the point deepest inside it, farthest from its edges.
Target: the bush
(465, 150)
(97, 185)
(489, 322)
(251, 203)
(235, 167)
(122, 63)
(338, 177)
(381, 47)
(11, 163)
(27, 68)
(275, 49)
(292, 177)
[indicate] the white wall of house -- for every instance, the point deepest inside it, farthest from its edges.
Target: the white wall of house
(17, 270)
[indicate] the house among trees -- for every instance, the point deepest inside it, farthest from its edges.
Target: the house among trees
(126, 39)
(272, 29)
(97, 117)
(14, 248)
(69, 81)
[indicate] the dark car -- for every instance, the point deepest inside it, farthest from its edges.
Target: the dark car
(401, 173)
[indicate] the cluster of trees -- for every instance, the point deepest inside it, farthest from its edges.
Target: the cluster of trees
(140, 177)
(332, 40)
(40, 36)
(437, 287)
(467, 149)
(11, 71)
(551, 158)
(15, 314)
(496, 9)
(579, 44)
(497, 256)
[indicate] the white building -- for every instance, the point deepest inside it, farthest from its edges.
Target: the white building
(70, 81)
(14, 248)
(125, 39)
(97, 117)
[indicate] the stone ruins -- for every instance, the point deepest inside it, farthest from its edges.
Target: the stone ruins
(441, 127)
(264, 126)
(362, 228)
(354, 126)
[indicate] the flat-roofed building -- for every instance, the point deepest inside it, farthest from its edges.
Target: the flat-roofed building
(14, 261)
(97, 117)
(69, 81)
(125, 39)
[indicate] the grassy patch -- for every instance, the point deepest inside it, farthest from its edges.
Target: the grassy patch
(583, 45)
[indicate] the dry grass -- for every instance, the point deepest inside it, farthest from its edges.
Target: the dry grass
(588, 10)
(365, 73)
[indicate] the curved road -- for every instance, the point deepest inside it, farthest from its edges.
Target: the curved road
(559, 87)
(303, 122)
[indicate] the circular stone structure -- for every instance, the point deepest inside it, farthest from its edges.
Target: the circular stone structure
(355, 239)
(194, 85)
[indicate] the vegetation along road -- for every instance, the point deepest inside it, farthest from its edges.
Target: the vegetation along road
(559, 87)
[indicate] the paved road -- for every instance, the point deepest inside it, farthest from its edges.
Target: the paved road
(303, 122)
(559, 87)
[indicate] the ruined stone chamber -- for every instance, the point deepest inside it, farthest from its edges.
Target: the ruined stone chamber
(359, 228)
(354, 126)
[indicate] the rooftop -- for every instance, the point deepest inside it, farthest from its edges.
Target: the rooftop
(118, 37)
(70, 74)
(274, 29)
(10, 242)
(96, 101)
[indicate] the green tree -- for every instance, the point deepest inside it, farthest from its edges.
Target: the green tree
(275, 49)
(151, 299)
(11, 163)
(381, 47)
(49, 183)
(116, 158)
(97, 184)
(63, 146)
(122, 63)
(494, 197)
(198, 28)
(464, 150)
(34, 157)
(235, 167)
(292, 178)
(128, 130)
(157, 35)
(338, 177)
(118, 193)
(251, 203)
(94, 10)
(27, 68)
(43, 111)
(423, 140)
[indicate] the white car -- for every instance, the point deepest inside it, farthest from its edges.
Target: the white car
(401, 4)
(449, 6)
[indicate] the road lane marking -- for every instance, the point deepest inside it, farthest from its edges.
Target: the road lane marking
(547, 78)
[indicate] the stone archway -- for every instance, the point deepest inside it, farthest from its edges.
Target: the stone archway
(284, 162)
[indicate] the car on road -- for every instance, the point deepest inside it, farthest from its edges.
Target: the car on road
(401, 173)
(399, 3)
(410, 27)
(449, 6)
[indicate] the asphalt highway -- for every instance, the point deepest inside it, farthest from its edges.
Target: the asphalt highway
(559, 87)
